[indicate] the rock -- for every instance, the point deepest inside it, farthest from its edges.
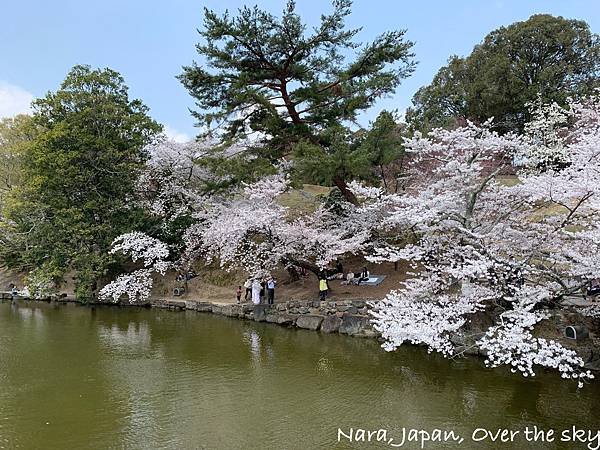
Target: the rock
(231, 310)
(260, 313)
(281, 307)
(354, 325)
(369, 332)
(342, 308)
(359, 303)
(286, 319)
(592, 359)
(352, 310)
(191, 305)
(272, 318)
(309, 322)
(176, 304)
(331, 324)
(303, 310)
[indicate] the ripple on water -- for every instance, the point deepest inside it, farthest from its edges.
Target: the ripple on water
(145, 379)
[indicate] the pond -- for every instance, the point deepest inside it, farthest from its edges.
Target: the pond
(108, 377)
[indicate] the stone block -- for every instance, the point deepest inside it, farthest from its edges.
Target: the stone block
(309, 322)
(176, 304)
(231, 310)
(331, 324)
(272, 318)
(260, 313)
(354, 325)
(287, 319)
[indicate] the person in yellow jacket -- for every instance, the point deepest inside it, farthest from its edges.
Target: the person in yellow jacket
(323, 288)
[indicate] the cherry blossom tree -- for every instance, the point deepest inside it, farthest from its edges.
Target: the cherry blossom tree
(137, 285)
(171, 186)
(255, 232)
(478, 243)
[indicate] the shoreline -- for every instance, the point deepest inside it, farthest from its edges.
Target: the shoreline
(348, 317)
(344, 317)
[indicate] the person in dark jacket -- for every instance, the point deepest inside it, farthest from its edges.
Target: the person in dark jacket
(271, 290)
(364, 275)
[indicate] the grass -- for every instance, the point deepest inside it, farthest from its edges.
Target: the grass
(303, 201)
(508, 180)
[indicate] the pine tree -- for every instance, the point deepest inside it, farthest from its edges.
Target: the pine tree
(267, 75)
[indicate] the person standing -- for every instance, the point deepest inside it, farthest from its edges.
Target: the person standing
(323, 288)
(238, 294)
(271, 290)
(364, 275)
(248, 286)
(256, 292)
(263, 287)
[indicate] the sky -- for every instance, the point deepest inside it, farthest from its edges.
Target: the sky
(148, 41)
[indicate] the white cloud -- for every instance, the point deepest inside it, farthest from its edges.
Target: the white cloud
(14, 100)
(175, 135)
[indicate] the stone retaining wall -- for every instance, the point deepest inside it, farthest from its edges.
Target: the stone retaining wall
(348, 317)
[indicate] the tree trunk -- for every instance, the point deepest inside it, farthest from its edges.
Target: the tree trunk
(306, 265)
(347, 193)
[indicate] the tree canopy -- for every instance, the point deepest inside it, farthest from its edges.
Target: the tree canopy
(545, 56)
(15, 133)
(268, 76)
(78, 177)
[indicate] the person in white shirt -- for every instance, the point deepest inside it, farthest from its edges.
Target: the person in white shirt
(248, 286)
(256, 292)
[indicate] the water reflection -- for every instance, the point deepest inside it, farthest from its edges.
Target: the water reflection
(118, 378)
(135, 338)
(29, 314)
(252, 338)
(324, 365)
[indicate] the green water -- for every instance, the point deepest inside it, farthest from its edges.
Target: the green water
(73, 377)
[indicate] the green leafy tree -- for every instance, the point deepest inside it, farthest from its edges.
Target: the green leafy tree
(546, 56)
(270, 76)
(366, 154)
(78, 177)
(382, 144)
(15, 134)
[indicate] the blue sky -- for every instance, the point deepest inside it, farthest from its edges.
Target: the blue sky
(149, 40)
